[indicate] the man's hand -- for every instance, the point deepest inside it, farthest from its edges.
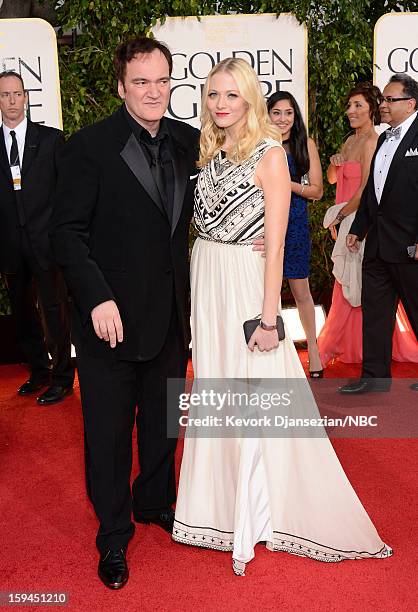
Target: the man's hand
(107, 322)
(416, 251)
(353, 243)
(258, 245)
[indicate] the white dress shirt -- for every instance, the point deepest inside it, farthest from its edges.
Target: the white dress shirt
(20, 137)
(385, 155)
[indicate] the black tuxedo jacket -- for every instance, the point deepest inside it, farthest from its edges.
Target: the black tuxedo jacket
(392, 225)
(112, 237)
(39, 171)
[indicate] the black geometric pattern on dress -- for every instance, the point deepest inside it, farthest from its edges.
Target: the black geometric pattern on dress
(306, 548)
(207, 537)
(229, 207)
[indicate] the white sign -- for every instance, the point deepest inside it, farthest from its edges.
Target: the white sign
(395, 47)
(275, 47)
(29, 47)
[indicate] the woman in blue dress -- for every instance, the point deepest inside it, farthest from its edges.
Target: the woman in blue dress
(306, 174)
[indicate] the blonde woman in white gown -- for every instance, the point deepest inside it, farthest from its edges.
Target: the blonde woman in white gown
(291, 493)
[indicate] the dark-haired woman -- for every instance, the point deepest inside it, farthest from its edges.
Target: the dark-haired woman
(341, 335)
(306, 175)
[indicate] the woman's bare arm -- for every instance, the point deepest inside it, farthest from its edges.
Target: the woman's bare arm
(273, 177)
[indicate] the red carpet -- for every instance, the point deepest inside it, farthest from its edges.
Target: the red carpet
(48, 528)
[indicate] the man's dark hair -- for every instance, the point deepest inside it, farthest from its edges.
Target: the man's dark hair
(126, 52)
(410, 86)
(373, 97)
(12, 73)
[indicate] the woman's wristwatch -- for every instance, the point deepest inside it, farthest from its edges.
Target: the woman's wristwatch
(340, 217)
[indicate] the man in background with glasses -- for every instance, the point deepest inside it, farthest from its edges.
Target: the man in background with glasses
(28, 153)
(388, 215)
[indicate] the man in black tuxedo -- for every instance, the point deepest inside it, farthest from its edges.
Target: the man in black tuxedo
(120, 231)
(388, 215)
(28, 156)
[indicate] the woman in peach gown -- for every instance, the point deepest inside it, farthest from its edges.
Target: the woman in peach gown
(341, 336)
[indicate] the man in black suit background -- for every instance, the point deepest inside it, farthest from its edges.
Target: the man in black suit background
(28, 156)
(120, 231)
(388, 215)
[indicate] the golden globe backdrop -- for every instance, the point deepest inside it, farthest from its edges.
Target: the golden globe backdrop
(276, 47)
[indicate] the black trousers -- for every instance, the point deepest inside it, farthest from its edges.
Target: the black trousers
(39, 302)
(113, 394)
(383, 285)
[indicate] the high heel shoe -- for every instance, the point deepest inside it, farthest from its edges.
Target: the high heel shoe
(238, 567)
(317, 374)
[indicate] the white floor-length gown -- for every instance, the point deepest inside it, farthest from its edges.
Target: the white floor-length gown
(291, 493)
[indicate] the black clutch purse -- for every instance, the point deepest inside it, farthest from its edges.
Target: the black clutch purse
(251, 325)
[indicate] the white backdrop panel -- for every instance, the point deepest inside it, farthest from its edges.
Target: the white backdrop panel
(29, 47)
(275, 47)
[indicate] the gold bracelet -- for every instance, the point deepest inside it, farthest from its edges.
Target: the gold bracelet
(303, 189)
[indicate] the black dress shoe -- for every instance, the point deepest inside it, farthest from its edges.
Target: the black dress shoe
(53, 395)
(31, 386)
(113, 570)
(165, 520)
(414, 386)
(364, 385)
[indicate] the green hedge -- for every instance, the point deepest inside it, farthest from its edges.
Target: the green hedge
(340, 54)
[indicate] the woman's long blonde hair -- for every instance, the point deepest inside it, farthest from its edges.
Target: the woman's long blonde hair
(258, 124)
